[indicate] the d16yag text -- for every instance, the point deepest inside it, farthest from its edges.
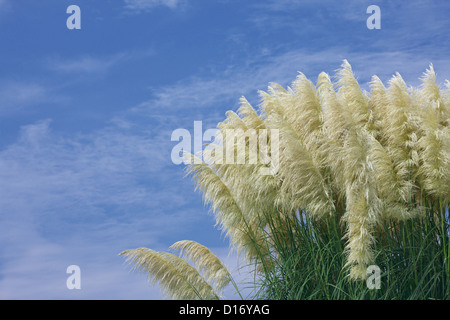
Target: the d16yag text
(244, 309)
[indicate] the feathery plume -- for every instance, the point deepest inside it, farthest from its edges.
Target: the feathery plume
(177, 279)
(365, 157)
(205, 261)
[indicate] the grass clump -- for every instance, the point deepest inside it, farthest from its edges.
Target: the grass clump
(335, 180)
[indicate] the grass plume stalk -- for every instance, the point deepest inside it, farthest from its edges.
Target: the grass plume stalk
(363, 179)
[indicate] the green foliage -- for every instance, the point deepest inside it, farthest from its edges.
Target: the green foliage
(413, 257)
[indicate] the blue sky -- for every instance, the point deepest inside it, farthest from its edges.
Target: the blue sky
(86, 116)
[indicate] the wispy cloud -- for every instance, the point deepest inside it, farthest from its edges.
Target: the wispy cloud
(85, 64)
(90, 63)
(90, 169)
(309, 16)
(333, 23)
(205, 95)
(150, 4)
(21, 96)
(110, 190)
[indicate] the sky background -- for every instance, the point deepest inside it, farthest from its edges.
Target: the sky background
(86, 117)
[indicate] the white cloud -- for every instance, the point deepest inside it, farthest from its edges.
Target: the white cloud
(149, 4)
(82, 199)
(19, 96)
(202, 96)
(85, 64)
(94, 169)
(35, 268)
(94, 64)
